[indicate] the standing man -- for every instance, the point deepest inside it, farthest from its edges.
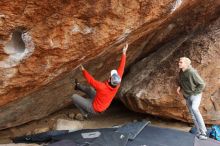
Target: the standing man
(191, 86)
(100, 94)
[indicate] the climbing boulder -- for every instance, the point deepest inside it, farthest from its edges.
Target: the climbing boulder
(43, 42)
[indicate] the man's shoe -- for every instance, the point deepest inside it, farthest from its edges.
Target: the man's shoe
(198, 134)
(76, 84)
(202, 137)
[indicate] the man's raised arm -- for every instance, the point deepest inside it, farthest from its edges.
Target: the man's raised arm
(90, 79)
(123, 60)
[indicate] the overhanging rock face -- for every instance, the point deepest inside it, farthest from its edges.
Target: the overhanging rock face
(43, 42)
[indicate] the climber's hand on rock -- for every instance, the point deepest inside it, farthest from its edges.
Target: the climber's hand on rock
(81, 67)
(125, 48)
(178, 90)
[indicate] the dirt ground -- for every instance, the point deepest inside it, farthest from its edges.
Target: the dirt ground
(117, 114)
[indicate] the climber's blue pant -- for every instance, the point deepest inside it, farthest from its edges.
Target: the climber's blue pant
(193, 103)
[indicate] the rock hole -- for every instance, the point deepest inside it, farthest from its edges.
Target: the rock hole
(16, 44)
(18, 48)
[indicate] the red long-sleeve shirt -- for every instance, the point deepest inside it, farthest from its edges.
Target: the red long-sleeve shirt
(104, 92)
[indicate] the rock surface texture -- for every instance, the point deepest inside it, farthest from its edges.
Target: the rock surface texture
(43, 42)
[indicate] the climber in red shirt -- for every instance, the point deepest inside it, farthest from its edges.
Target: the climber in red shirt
(100, 94)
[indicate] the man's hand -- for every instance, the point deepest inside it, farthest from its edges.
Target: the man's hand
(178, 90)
(125, 48)
(81, 67)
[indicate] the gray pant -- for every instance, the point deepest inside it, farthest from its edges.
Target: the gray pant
(193, 103)
(84, 104)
